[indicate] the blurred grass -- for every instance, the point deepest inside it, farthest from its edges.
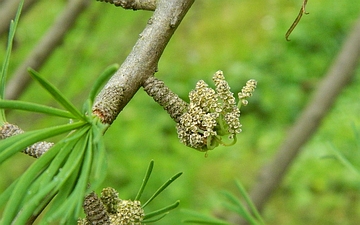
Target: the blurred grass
(246, 40)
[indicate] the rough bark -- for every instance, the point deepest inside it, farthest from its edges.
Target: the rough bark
(142, 61)
(170, 101)
(36, 150)
(134, 4)
(140, 64)
(41, 52)
(335, 80)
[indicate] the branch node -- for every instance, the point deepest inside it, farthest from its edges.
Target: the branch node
(104, 107)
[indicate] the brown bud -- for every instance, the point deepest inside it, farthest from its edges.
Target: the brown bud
(95, 211)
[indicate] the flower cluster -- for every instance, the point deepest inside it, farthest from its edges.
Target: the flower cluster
(247, 91)
(110, 209)
(212, 114)
(128, 212)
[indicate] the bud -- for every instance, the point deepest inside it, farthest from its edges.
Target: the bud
(95, 211)
(110, 198)
(128, 212)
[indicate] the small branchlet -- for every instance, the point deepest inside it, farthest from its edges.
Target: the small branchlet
(210, 115)
(36, 150)
(170, 101)
(297, 20)
(149, 5)
(110, 209)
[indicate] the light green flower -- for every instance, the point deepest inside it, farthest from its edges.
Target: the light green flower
(212, 114)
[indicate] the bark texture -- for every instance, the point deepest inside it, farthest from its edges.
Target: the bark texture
(134, 4)
(36, 150)
(142, 61)
(170, 101)
(95, 211)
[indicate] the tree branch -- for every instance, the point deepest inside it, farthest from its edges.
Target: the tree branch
(142, 61)
(134, 4)
(36, 150)
(336, 79)
(44, 48)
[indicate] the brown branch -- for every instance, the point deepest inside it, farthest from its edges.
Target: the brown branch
(142, 61)
(95, 210)
(134, 4)
(53, 37)
(8, 10)
(336, 79)
(170, 101)
(36, 150)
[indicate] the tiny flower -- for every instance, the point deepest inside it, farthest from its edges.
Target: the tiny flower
(128, 212)
(247, 91)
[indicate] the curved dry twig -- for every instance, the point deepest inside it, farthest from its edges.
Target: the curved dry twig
(339, 75)
(297, 20)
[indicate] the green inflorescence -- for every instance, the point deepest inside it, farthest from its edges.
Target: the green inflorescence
(212, 114)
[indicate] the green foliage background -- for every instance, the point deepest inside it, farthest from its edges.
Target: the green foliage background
(246, 40)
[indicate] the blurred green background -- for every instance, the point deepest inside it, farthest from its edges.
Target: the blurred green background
(246, 40)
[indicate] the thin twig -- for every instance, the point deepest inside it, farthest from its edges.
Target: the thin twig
(297, 20)
(339, 75)
(142, 61)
